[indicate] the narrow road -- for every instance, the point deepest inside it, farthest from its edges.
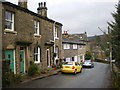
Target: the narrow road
(97, 77)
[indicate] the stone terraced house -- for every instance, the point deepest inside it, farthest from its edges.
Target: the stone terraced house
(74, 46)
(29, 36)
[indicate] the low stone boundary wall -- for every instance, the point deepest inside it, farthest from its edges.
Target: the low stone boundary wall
(116, 77)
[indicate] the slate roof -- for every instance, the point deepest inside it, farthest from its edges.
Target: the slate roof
(74, 39)
(28, 11)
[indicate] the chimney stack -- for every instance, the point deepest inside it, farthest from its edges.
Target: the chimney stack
(23, 3)
(42, 9)
(65, 32)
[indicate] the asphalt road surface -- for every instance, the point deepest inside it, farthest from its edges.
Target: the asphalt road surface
(97, 77)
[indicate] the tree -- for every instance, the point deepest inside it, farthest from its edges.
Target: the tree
(88, 55)
(115, 34)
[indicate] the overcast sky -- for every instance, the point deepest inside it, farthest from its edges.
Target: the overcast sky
(78, 16)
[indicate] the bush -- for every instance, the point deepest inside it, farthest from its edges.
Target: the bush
(33, 69)
(10, 78)
(102, 61)
(88, 55)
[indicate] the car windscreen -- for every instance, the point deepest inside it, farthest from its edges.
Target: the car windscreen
(68, 63)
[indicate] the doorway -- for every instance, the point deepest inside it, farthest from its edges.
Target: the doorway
(22, 60)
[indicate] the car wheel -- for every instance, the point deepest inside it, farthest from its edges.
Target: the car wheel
(75, 72)
(81, 70)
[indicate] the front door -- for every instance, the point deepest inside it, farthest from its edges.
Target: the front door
(22, 57)
(9, 55)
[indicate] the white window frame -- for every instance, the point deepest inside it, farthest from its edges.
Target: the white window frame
(56, 33)
(11, 21)
(66, 46)
(38, 55)
(36, 28)
(75, 46)
(56, 51)
(75, 58)
(67, 59)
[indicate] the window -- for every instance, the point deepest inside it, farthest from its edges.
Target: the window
(81, 46)
(68, 63)
(56, 51)
(56, 32)
(67, 59)
(9, 21)
(66, 46)
(81, 37)
(81, 57)
(36, 27)
(74, 46)
(75, 58)
(37, 54)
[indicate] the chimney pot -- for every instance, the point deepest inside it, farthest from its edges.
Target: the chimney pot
(44, 4)
(41, 4)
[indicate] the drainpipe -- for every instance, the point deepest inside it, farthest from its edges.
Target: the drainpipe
(54, 39)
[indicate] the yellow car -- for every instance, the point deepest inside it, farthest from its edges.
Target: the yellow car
(71, 67)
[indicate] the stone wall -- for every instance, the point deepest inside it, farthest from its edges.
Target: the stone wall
(0, 44)
(116, 77)
(23, 36)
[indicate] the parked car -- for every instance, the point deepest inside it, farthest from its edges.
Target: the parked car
(88, 63)
(71, 67)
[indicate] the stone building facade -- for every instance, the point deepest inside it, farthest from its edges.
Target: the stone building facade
(29, 36)
(74, 46)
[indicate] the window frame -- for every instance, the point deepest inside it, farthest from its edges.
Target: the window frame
(12, 21)
(66, 46)
(38, 55)
(36, 27)
(75, 46)
(56, 33)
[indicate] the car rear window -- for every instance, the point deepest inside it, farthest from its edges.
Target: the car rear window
(87, 61)
(68, 63)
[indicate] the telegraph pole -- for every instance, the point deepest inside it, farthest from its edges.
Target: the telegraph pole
(110, 45)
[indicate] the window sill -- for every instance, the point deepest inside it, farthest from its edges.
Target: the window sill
(66, 49)
(37, 35)
(37, 62)
(56, 38)
(10, 31)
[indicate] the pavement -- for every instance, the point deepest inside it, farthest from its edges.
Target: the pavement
(53, 72)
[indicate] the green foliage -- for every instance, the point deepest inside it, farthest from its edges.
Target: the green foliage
(88, 55)
(102, 61)
(115, 34)
(8, 77)
(33, 69)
